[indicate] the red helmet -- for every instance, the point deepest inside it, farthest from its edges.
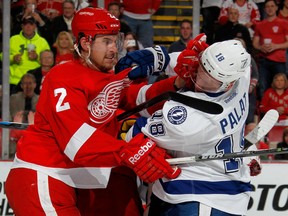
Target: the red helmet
(92, 21)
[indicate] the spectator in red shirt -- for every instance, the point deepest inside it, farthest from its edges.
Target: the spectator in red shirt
(276, 97)
(63, 47)
(271, 39)
(138, 16)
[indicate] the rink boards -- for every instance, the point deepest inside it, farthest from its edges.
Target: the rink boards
(269, 198)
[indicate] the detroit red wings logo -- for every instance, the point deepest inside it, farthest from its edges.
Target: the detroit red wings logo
(103, 107)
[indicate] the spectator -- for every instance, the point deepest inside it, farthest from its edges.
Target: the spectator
(271, 39)
(253, 103)
(63, 22)
(16, 7)
(63, 47)
(43, 24)
(283, 144)
(50, 8)
(233, 29)
(248, 13)
(130, 44)
(260, 4)
(276, 97)
(79, 4)
(46, 62)
(138, 16)
(210, 11)
(24, 51)
(16, 134)
(283, 14)
(185, 36)
(1, 95)
(252, 88)
(73, 144)
(24, 101)
(114, 8)
(22, 109)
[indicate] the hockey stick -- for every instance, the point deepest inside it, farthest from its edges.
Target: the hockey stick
(202, 105)
(13, 125)
(220, 156)
(264, 126)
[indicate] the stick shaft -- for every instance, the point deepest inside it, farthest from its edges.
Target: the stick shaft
(264, 126)
(198, 158)
(196, 103)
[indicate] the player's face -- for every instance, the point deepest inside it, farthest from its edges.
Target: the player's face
(104, 52)
(205, 82)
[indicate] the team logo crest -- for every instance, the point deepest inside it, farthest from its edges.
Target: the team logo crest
(177, 115)
(104, 106)
(275, 29)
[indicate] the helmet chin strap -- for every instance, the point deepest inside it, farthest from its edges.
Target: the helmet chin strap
(86, 58)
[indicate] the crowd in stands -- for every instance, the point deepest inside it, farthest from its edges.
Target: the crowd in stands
(41, 38)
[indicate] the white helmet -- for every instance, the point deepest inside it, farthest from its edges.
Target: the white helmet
(226, 61)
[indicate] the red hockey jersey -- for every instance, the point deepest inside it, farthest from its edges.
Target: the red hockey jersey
(73, 138)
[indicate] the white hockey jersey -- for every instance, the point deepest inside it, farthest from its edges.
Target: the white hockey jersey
(184, 131)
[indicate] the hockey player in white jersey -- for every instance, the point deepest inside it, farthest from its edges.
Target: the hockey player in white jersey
(217, 187)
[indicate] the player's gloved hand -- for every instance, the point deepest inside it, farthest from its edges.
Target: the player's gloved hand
(152, 60)
(198, 44)
(255, 167)
(187, 65)
(147, 160)
(188, 60)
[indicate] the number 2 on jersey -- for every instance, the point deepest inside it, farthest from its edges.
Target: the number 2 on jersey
(61, 105)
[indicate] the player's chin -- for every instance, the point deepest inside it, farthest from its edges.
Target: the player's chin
(107, 67)
(110, 63)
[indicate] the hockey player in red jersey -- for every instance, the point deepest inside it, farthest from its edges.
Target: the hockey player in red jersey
(72, 145)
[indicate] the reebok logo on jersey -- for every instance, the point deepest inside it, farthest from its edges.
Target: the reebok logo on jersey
(143, 149)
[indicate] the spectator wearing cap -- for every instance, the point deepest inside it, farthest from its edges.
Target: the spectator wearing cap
(25, 48)
(29, 9)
